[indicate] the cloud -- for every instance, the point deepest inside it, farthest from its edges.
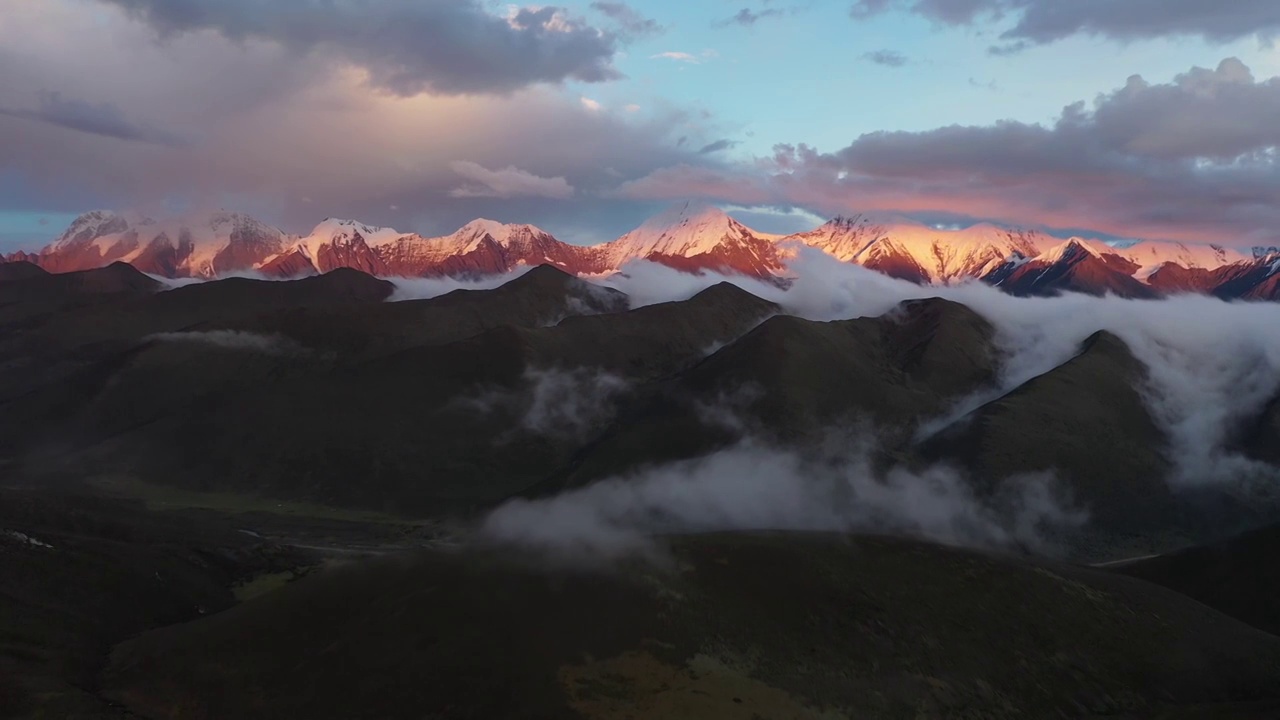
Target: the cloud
(453, 47)
(1212, 364)
(717, 146)
(888, 58)
(1193, 159)
(755, 486)
(746, 17)
(104, 119)
(737, 185)
(631, 23)
(1038, 22)
(235, 340)
(283, 136)
(427, 288)
(559, 404)
(570, 404)
(592, 105)
(677, 56)
(507, 183)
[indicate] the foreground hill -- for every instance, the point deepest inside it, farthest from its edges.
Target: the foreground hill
(736, 626)
(263, 423)
(792, 380)
(1238, 576)
(688, 237)
(84, 573)
(438, 426)
(1084, 420)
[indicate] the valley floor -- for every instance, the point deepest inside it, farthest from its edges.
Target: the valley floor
(117, 607)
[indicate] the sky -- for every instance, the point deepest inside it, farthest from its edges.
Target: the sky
(1153, 119)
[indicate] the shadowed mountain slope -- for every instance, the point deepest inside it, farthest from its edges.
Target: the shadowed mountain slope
(1075, 266)
(447, 426)
(541, 297)
(1263, 439)
(1085, 421)
(740, 626)
(1238, 577)
(792, 379)
(82, 574)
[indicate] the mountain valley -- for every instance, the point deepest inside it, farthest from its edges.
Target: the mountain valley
(284, 497)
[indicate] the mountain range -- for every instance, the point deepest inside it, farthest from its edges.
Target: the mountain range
(688, 237)
(312, 499)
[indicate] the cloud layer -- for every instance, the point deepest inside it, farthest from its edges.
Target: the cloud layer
(281, 134)
(755, 487)
(508, 182)
(1212, 364)
(1193, 159)
(103, 119)
(1044, 21)
(424, 116)
(448, 47)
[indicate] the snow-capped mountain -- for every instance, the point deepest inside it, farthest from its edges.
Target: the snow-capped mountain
(1076, 265)
(920, 253)
(484, 247)
(332, 244)
(688, 237)
(203, 246)
(697, 237)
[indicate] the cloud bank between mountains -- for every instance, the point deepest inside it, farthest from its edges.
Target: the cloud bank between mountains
(1213, 365)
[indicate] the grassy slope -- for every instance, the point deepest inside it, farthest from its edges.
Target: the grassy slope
(105, 570)
(738, 626)
(1239, 577)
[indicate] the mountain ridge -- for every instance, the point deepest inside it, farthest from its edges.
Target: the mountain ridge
(688, 237)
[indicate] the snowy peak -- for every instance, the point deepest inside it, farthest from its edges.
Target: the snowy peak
(1149, 255)
(684, 230)
(694, 237)
(199, 245)
(919, 252)
(844, 238)
(1072, 250)
(89, 226)
(470, 236)
(334, 227)
(344, 232)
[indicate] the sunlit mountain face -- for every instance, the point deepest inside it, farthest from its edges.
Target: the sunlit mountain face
(690, 237)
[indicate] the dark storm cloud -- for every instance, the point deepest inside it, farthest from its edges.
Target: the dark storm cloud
(888, 58)
(630, 23)
(1193, 159)
(1044, 21)
(103, 119)
(438, 46)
